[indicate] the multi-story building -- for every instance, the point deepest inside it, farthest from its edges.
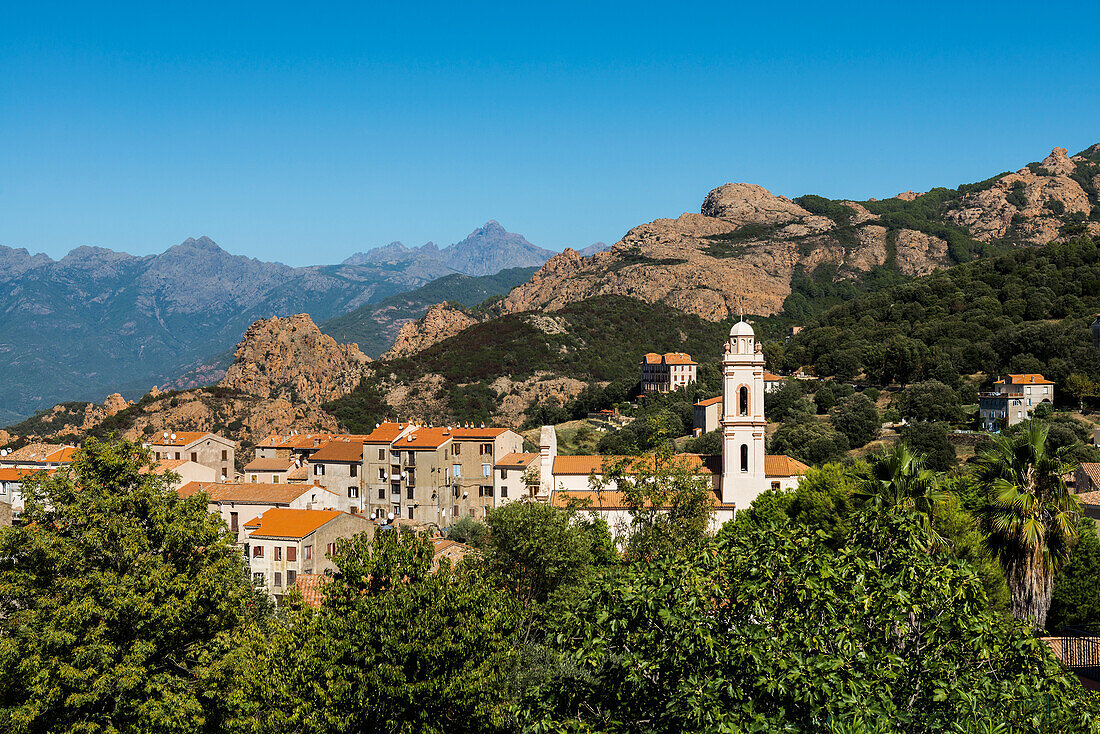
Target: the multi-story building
(241, 503)
(1012, 400)
(705, 415)
(666, 372)
(11, 485)
(36, 456)
(294, 445)
(270, 471)
(208, 449)
(382, 480)
(284, 542)
(338, 466)
(186, 470)
(473, 453)
(422, 483)
(516, 476)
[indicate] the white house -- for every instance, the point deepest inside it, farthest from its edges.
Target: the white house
(241, 503)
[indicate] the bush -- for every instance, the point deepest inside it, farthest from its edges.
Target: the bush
(931, 441)
(930, 400)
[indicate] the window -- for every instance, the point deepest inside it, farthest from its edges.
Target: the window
(744, 457)
(254, 477)
(484, 491)
(456, 449)
(409, 492)
(381, 493)
(775, 485)
(177, 455)
(456, 470)
(225, 455)
(233, 521)
(503, 491)
(353, 492)
(454, 511)
(307, 551)
(410, 479)
(278, 553)
(381, 454)
(318, 470)
(278, 579)
(743, 400)
(292, 553)
(290, 577)
(257, 551)
(503, 473)
(330, 549)
(486, 470)
(274, 478)
(486, 449)
(382, 473)
(194, 457)
(355, 470)
(257, 578)
(410, 513)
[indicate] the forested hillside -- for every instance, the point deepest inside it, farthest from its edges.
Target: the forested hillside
(1025, 311)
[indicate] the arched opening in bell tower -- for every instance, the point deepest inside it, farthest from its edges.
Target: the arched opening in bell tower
(743, 400)
(744, 457)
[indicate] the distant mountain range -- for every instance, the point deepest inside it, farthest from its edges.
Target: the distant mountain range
(97, 321)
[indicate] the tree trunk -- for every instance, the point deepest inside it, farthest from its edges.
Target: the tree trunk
(1031, 586)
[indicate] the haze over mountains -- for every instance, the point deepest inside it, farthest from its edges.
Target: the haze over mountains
(97, 321)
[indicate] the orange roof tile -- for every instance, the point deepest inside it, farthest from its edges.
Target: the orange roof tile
(769, 377)
(468, 433)
(164, 465)
(1025, 379)
(182, 438)
(283, 522)
(275, 464)
(312, 587)
(585, 465)
(41, 453)
(386, 432)
(709, 401)
(424, 438)
(339, 449)
(678, 358)
(450, 549)
(18, 474)
(256, 493)
(1089, 498)
(601, 500)
(652, 358)
(1092, 471)
(516, 461)
(781, 465)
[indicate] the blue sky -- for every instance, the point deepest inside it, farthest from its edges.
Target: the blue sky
(304, 132)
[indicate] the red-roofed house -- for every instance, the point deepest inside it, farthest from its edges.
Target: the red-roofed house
(1087, 478)
(667, 372)
(511, 474)
(284, 542)
(201, 447)
(1012, 400)
(241, 503)
(705, 415)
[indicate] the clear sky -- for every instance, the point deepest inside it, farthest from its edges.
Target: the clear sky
(303, 132)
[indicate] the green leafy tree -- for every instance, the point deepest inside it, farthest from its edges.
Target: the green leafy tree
(394, 647)
(930, 400)
(810, 441)
(120, 603)
(709, 443)
(899, 480)
(468, 530)
(829, 393)
(779, 403)
(930, 440)
(857, 418)
(1075, 601)
(821, 501)
(775, 630)
(1030, 517)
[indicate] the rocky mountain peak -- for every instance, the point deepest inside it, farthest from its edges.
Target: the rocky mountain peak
(745, 203)
(1058, 162)
(290, 358)
(441, 321)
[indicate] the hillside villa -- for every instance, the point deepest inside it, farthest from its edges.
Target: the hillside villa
(1013, 399)
(666, 372)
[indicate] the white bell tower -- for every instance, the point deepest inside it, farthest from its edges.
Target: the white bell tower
(743, 421)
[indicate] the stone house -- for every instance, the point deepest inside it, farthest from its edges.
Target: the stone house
(473, 455)
(666, 372)
(1013, 399)
(208, 449)
(187, 471)
(1087, 478)
(337, 465)
(241, 503)
(284, 542)
(382, 469)
(270, 471)
(705, 415)
(11, 485)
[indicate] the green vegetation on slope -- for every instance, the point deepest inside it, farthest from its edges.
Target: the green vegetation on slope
(374, 326)
(1026, 311)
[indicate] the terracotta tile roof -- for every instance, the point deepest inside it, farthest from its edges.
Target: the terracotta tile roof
(769, 377)
(605, 500)
(1025, 379)
(257, 493)
(450, 549)
(312, 587)
(269, 465)
(41, 453)
(652, 358)
(164, 465)
(182, 438)
(1089, 498)
(18, 474)
(781, 465)
(678, 358)
(1092, 471)
(341, 449)
(585, 465)
(386, 432)
(709, 401)
(468, 433)
(305, 441)
(299, 474)
(516, 461)
(424, 438)
(283, 522)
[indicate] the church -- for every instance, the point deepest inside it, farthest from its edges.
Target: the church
(738, 476)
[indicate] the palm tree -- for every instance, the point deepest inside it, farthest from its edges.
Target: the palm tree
(900, 479)
(1031, 516)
